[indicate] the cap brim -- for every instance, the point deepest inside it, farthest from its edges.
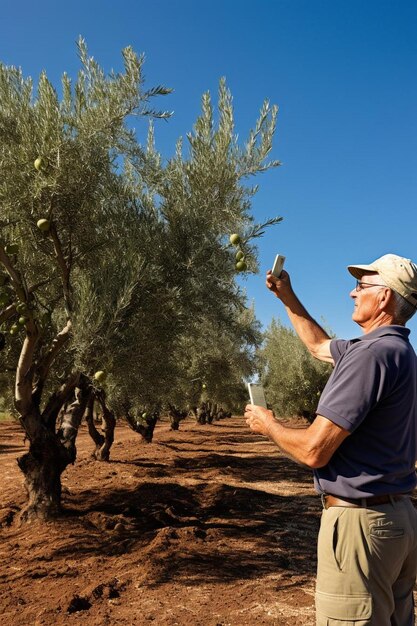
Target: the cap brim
(359, 270)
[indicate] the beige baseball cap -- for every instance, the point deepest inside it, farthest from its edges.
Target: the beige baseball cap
(398, 273)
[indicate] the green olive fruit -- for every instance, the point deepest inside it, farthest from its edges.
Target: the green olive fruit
(22, 320)
(38, 163)
(204, 386)
(12, 248)
(234, 239)
(241, 266)
(100, 376)
(144, 415)
(43, 224)
(240, 256)
(14, 329)
(21, 307)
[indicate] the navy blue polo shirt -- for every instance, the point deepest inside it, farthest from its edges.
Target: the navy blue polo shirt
(372, 393)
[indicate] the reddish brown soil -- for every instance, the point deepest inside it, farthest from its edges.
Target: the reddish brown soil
(207, 526)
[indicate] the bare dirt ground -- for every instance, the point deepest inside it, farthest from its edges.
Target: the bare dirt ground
(207, 526)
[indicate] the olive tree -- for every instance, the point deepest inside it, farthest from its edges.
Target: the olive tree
(186, 210)
(293, 379)
(110, 257)
(217, 359)
(62, 203)
(203, 199)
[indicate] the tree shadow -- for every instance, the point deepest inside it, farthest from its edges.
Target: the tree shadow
(199, 533)
(12, 447)
(10, 432)
(249, 469)
(192, 516)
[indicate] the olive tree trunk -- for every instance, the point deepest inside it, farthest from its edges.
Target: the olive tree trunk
(42, 467)
(50, 452)
(103, 442)
(176, 416)
(144, 426)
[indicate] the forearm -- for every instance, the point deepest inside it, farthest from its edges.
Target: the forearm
(308, 330)
(294, 442)
(313, 336)
(312, 446)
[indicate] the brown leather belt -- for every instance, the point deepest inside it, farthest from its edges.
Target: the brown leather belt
(329, 500)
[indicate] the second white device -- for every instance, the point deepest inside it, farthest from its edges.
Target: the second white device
(278, 265)
(256, 394)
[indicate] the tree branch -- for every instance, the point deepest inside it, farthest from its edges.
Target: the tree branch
(17, 281)
(7, 313)
(25, 371)
(57, 399)
(44, 366)
(65, 269)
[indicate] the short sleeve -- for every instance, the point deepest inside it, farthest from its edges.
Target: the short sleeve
(338, 347)
(353, 389)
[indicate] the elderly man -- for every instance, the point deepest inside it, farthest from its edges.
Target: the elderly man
(362, 447)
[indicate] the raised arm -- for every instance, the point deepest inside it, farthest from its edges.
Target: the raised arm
(313, 336)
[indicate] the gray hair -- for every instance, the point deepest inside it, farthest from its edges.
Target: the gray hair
(403, 309)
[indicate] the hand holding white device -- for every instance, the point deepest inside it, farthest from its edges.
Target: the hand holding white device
(278, 265)
(256, 395)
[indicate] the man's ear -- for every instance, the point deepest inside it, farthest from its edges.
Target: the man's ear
(386, 299)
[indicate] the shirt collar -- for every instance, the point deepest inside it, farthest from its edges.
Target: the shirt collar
(382, 331)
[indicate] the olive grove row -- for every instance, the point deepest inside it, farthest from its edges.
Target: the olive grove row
(118, 267)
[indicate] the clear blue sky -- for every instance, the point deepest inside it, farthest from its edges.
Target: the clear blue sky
(343, 73)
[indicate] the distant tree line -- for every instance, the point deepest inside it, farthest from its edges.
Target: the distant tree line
(293, 379)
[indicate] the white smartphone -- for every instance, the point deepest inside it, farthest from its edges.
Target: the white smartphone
(278, 265)
(257, 395)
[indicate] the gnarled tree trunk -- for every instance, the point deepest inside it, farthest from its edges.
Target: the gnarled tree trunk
(202, 413)
(42, 467)
(144, 426)
(49, 454)
(176, 416)
(103, 442)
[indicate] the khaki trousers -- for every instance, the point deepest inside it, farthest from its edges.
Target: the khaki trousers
(367, 565)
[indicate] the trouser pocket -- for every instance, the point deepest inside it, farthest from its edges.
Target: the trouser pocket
(343, 610)
(343, 596)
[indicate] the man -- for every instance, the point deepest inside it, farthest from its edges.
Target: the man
(362, 447)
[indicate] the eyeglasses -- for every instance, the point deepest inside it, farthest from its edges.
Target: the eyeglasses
(360, 285)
